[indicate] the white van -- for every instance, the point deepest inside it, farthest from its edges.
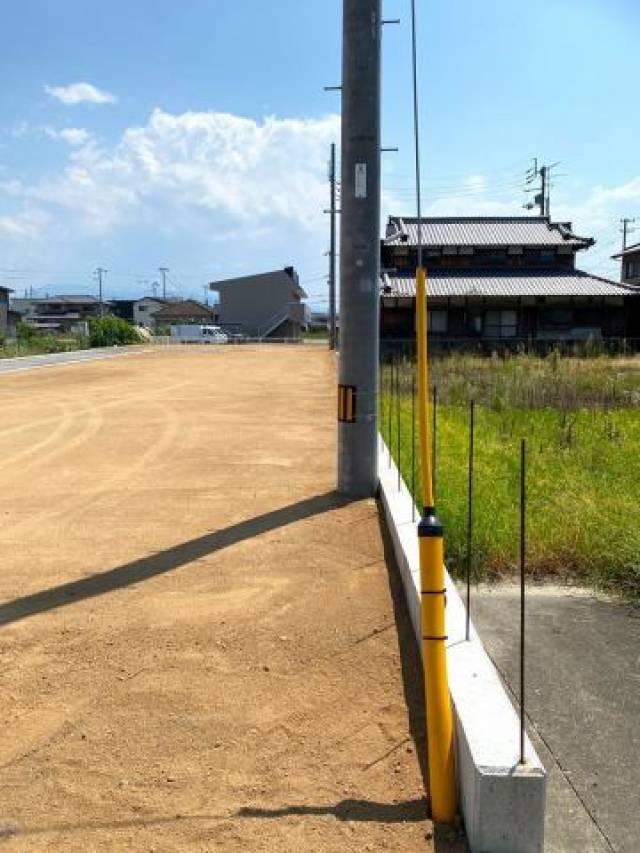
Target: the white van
(193, 334)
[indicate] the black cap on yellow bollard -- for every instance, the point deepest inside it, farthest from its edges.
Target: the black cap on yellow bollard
(430, 525)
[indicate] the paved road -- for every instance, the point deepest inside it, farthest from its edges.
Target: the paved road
(583, 699)
(28, 362)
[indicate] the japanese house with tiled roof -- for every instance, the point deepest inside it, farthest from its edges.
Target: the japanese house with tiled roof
(495, 280)
(630, 264)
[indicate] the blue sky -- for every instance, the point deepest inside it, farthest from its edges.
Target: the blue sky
(200, 140)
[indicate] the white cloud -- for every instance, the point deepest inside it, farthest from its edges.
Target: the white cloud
(24, 226)
(476, 183)
(22, 128)
(12, 187)
(242, 189)
(222, 168)
(79, 93)
(72, 135)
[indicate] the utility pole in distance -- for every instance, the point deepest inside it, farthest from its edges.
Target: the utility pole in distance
(332, 251)
(163, 272)
(543, 198)
(359, 249)
(544, 191)
(626, 222)
(100, 274)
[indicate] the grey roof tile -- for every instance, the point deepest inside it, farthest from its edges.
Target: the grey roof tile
(483, 231)
(489, 284)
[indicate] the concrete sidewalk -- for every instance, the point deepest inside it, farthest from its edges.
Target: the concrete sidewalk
(583, 701)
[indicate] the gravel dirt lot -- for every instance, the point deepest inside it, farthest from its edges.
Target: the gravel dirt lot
(198, 644)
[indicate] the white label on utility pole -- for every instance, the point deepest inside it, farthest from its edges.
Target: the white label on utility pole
(361, 180)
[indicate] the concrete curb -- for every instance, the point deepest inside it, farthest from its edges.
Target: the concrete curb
(502, 802)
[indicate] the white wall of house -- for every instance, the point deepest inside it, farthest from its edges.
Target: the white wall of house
(143, 311)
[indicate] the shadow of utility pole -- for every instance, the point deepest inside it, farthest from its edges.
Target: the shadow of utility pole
(165, 561)
(445, 839)
(408, 811)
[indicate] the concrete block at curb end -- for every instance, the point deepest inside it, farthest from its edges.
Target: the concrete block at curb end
(502, 802)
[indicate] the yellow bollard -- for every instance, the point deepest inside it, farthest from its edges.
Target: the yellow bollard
(440, 734)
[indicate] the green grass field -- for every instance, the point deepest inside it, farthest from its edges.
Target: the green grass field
(581, 420)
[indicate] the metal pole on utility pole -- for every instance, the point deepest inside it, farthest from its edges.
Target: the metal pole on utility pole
(332, 252)
(163, 272)
(544, 203)
(100, 272)
(626, 222)
(359, 248)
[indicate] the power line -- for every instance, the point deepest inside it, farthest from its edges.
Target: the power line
(470, 182)
(512, 170)
(469, 192)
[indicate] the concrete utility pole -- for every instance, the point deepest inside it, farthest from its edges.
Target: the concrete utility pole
(332, 251)
(100, 273)
(359, 249)
(544, 191)
(163, 272)
(543, 198)
(626, 222)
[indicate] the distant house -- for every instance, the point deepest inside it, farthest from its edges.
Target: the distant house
(144, 310)
(4, 312)
(59, 313)
(629, 265)
(13, 318)
(187, 311)
(318, 321)
(122, 308)
(500, 280)
(265, 305)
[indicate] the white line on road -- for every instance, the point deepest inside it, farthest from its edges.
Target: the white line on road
(32, 362)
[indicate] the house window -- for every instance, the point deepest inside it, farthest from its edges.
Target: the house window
(500, 324)
(438, 322)
(556, 319)
(633, 269)
(547, 256)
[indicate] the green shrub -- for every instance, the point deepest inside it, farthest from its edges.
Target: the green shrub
(112, 331)
(27, 334)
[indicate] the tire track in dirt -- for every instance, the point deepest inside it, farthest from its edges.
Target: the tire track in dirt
(91, 428)
(63, 422)
(134, 399)
(89, 497)
(36, 458)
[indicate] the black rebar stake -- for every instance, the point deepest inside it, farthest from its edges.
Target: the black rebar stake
(413, 447)
(434, 446)
(389, 408)
(398, 428)
(472, 410)
(523, 511)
